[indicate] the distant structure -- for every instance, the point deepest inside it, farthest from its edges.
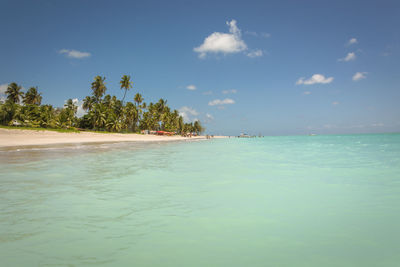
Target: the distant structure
(245, 135)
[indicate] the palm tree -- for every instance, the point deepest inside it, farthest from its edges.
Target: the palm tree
(88, 103)
(181, 125)
(47, 114)
(139, 106)
(67, 115)
(98, 115)
(125, 84)
(99, 88)
(161, 105)
(197, 127)
(138, 99)
(33, 97)
(116, 105)
(70, 105)
(107, 101)
(114, 123)
(131, 116)
(14, 93)
(7, 112)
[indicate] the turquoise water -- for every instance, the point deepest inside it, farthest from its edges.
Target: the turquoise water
(274, 201)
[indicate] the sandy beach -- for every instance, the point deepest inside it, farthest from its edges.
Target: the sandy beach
(16, 137)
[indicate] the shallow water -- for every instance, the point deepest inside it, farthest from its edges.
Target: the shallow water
(273, 201)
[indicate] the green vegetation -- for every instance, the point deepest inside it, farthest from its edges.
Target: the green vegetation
(70, 130)
(104, 112)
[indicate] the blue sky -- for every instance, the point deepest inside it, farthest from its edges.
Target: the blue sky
(269, 67)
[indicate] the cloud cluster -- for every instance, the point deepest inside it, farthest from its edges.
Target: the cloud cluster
(316, 78)
(255, 53)
(218, 102)
(191, 87)
(350, 56)
(74, 53)
(225, 43)
(352, 41)
(189, 114)
(359, 76)
(232, 91)
(209, 118)
(255, 34)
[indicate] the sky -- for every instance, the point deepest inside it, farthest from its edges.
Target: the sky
(257, 67)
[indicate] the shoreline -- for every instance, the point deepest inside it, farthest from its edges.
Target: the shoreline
(23, 137)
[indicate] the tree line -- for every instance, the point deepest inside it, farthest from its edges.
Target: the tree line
(103, 112)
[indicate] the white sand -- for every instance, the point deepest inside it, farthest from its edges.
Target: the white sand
(11, 137)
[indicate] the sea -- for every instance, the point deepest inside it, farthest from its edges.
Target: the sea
(325, 200)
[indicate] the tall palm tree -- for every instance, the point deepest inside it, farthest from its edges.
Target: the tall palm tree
(139, 106)
(14, 93)
(125, 84)
(33, 97)
(99, 88)
(138, 99)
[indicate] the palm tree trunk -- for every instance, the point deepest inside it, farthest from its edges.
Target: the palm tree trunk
(124, 97)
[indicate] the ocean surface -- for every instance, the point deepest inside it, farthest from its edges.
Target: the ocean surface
(329, 200)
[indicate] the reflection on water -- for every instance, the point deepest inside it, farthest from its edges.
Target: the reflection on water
(276, 201)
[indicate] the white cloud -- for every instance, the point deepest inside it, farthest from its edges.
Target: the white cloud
(225, 43)
(316, 78)
(3, 88)
(352, 41)
(307, 93)
(191, 87)
(74, 53)
(255, 53)
(207, 93)
(350, 56)
(189, 114)
(255, 34)
(80, 111)
(335, 103)
(359, 76)
(232, 91)
(218, 102)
